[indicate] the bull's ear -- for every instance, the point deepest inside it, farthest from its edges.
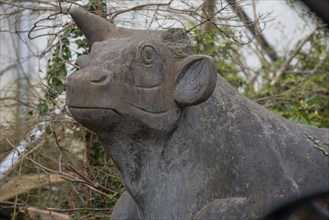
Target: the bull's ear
(196, 81)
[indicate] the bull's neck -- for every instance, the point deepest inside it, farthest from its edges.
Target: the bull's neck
(135, 151)
(147, 161)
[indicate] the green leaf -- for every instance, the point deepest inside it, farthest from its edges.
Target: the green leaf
(42, 108)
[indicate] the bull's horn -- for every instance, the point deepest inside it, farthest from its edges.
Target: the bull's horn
(95, 28)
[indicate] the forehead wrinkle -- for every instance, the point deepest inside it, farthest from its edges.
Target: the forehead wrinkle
(118, 42)
(111, 45)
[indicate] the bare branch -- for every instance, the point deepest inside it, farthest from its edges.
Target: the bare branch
(19, 101)
(291, 56)
(254, 29)
(80, 209)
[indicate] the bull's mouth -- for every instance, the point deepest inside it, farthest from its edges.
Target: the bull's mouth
(141, 109)
(80, 108)
(100, 119)
(96, 119)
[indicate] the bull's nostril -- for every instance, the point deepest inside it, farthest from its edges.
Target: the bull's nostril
(99, 80)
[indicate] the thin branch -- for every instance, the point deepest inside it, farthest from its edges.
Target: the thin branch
(80, 209)
(139, 7)
(91, 187)
(89, 182)
(291, 56)
(253, 28)
(19, 101)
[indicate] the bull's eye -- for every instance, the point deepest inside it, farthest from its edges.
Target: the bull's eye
(149, 55)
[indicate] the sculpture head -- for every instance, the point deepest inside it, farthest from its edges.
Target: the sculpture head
(147, 75)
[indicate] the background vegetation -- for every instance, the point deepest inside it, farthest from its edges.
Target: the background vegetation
(73, 175)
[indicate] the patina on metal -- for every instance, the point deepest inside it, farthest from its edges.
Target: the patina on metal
(187, 145)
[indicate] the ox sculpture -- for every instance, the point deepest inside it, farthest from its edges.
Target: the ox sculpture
(187, 144)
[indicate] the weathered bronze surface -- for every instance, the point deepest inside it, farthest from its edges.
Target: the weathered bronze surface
(187, 145)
